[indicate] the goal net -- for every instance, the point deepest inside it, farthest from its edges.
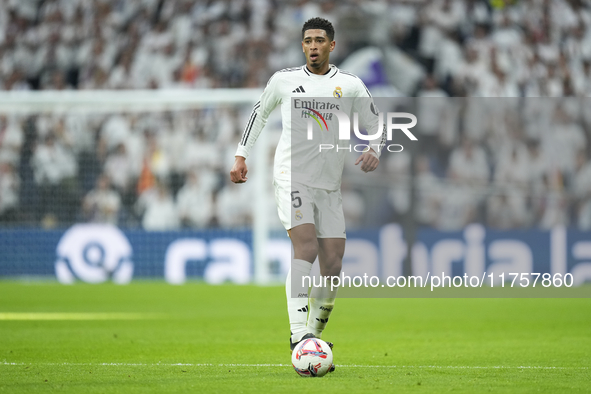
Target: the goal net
(154, 165)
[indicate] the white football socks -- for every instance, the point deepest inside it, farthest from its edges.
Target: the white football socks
(321, 306)
(297, 298)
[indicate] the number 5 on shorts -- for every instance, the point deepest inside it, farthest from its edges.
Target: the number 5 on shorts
(298, 200)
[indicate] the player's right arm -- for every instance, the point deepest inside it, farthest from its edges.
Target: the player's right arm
(257, 120)
(239, 170)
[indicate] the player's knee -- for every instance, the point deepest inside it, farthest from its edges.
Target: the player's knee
(311, 250)
(306, 250)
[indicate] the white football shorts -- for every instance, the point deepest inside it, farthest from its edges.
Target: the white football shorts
(298, 204)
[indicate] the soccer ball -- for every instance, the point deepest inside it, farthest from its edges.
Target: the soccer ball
(311, 358)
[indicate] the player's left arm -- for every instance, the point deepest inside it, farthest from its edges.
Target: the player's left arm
(369, 119)
(369, 160)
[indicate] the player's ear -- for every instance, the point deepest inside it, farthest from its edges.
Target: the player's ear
(332, 44)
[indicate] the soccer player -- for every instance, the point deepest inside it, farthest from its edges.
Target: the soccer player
(309, 207)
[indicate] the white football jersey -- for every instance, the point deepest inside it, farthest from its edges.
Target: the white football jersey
(296, 157)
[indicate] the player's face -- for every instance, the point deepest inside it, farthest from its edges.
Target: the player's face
(317, 48)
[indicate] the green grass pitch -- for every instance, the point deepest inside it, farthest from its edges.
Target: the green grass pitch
(154, 337)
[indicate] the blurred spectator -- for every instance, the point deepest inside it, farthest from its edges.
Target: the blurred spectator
(431, 108)
(121, 170)
(102, 204)
(11, 139)
(538, 164)
(55, 169)
(582, 191)
(512, 167)
(233, 205)
(553, 202)
(457, 204)
(471, 70)
(194, 203)
(123, 76)
(115, 130)
(199, 152)
(427, 189)
(563, 141)
(437, 19)
(506, 210)
(157, 158)
(398, 170)
(9, 189)
(158, 209)
(469, 163)
(582, 78)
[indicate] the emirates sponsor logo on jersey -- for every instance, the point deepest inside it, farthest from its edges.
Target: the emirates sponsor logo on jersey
(314, 104)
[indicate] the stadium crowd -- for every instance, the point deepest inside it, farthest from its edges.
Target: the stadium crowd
(531, 48)
(524, 163)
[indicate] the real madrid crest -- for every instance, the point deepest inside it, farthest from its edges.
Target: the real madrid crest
(298, 215)
(338, 93)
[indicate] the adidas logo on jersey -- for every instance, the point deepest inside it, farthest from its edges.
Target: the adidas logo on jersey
(299, 89)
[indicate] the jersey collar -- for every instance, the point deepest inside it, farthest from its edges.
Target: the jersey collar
(332, 71)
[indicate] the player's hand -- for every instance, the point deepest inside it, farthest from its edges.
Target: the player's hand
(239, 170)
(369, 161)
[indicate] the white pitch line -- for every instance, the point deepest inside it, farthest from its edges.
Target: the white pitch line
(74, 316)
(287, 365)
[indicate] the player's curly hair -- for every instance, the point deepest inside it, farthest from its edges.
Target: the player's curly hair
(319, 23)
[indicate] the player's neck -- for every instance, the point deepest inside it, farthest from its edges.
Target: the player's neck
(325, 69)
